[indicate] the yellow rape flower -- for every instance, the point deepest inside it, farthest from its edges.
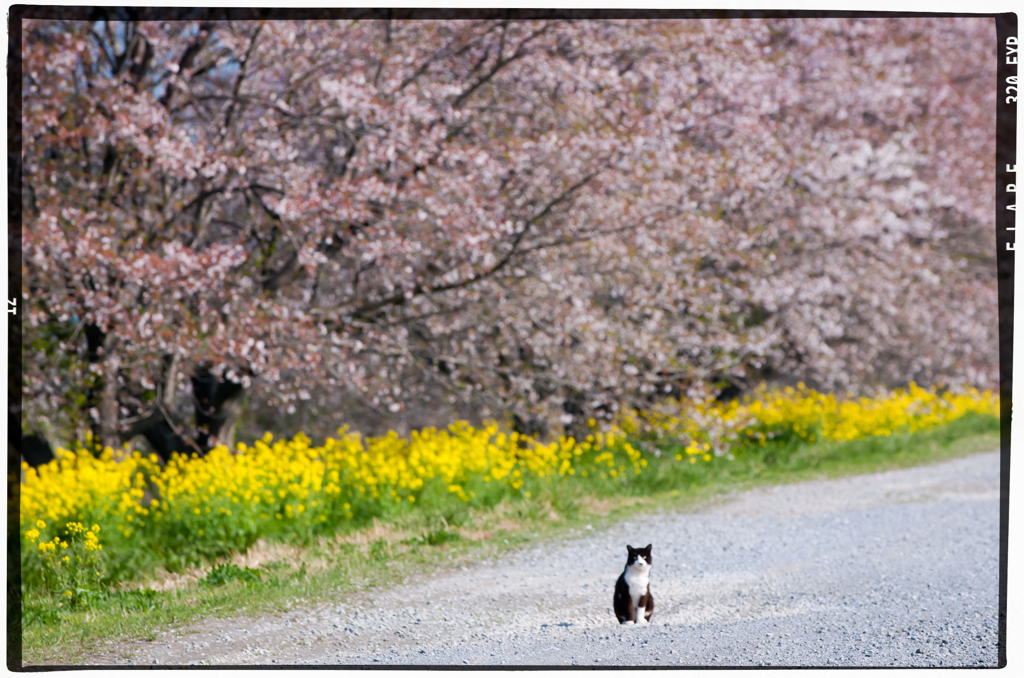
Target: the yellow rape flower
(305, 484)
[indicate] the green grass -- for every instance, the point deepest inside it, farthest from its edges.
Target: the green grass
(451, 533)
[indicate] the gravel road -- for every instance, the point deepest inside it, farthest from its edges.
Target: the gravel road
(890, 569)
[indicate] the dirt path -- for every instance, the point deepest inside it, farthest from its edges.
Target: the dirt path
(898, 568)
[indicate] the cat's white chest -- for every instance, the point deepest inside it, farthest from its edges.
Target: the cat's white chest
(638, 579)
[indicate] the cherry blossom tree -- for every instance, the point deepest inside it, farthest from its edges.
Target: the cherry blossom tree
(547, 217)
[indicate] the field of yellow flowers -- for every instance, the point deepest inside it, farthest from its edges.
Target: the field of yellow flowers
(202, 508)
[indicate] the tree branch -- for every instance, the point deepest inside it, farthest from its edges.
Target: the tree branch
(240, 78)
(418, 289)
(187, 57)
(499, 64)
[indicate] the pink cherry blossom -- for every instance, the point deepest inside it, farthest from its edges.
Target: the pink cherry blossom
(519, 213)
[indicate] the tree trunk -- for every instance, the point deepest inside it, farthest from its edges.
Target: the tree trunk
(170, 381)
(36, 450)
(161, 429)
(218, 406)
(575, 405)
(94, 338)
(109, 414)
(101, 400)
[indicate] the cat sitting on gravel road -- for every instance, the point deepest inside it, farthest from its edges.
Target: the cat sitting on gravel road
(633, 599)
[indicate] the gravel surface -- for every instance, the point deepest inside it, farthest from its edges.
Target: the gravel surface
(890, 569)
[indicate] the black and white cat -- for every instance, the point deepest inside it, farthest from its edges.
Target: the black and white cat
(633, 599)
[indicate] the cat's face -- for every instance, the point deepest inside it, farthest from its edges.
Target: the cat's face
(639, 559)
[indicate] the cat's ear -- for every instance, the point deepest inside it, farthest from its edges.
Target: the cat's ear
(630, 549)
(647, 548)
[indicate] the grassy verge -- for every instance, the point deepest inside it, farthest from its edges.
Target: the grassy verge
(424, 541)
